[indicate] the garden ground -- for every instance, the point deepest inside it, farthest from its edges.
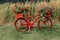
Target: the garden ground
(8, 32)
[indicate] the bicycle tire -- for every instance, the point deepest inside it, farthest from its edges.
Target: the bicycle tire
(18, 25)
(50, 24)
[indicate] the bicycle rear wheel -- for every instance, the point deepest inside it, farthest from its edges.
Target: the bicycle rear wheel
(21, 24)
(47, 24)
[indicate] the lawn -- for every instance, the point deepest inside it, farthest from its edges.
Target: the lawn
(8, 32)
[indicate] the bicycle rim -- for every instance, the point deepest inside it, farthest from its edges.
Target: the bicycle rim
(45, 24)
(21, 24)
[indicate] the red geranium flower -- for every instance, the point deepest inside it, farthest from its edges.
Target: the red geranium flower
(15, 5)
(14, 10)
(22, 8)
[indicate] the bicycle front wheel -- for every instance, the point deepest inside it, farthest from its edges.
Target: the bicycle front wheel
(21, 24)
(47, 24)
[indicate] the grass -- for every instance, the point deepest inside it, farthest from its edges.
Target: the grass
(8, 32)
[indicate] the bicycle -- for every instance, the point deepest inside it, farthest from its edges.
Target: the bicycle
(25, 24)
(21, 23)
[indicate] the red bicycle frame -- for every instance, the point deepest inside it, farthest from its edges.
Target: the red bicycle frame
(28, 22)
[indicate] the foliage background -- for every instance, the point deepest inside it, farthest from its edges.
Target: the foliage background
(8, 16)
